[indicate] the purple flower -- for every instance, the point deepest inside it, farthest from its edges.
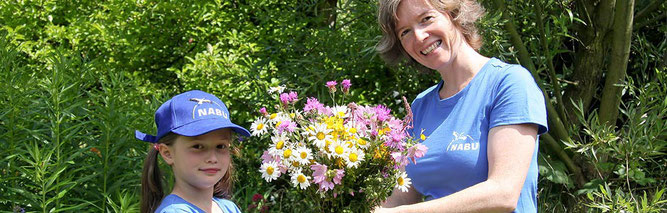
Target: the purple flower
(346, 85)
(284, 98)
(382, 112)
(339, 175)
(332, 86)
(312, 104)
(395, 140)
(263, 111)
(289, 98)
(293, 97)
(287, 125)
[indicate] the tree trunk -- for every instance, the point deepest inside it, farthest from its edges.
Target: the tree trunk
(620, 51)
(590, 52)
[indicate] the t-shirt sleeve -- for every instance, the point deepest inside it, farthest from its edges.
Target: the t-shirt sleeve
(518, 100)
(178, 208)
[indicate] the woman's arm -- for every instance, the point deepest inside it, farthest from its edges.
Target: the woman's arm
(509, 151)
(398, 198)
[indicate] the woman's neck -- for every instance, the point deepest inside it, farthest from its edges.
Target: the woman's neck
(200, 198)
(465, 64)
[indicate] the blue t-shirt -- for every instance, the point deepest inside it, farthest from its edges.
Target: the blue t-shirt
(457, 129)
(173, 203)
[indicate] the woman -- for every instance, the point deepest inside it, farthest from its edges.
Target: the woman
(481, 120)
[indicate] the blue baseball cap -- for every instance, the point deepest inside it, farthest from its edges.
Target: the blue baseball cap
(191, 114)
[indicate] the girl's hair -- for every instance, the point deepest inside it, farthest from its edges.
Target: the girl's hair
(152, 190)
(464, 14)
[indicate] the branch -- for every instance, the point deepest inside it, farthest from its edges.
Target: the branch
(524, 58)
(569, 163)
(515, 38)
(620, 52)
(642, 24)
(654, 5)
(549, 58)
(557, 126)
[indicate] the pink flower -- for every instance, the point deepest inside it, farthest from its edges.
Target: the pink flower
(284, 98)
(400, 159)
(395, 140)
(287, 125)
(266, 157)
(339, 175)
(293, 97)
(417, 151)
(346, 85)
(382, 112)
(289, 98)
(263, 111)
(320, 177)
(313, 104)
(332, 86)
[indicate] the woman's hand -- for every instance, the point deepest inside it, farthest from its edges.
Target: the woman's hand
(385, 210)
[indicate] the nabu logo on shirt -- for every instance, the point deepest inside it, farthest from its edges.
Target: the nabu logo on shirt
(462, 142)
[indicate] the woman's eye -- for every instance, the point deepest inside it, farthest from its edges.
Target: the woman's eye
(403, 33)
(427, 18)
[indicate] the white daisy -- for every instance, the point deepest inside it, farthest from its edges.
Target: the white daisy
(338, 149)
(352, 129)
(340, 111)
(362, 143)
(300, 180)
(279, 143)
(354, 158)
(319, 134)
(403, 182)
(303, 155)
(259, 127)
(270, 171)
(288, 155)
(277, 117)
(276, 89)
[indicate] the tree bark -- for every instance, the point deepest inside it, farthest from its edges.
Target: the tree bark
(620, 51)
(589, 60)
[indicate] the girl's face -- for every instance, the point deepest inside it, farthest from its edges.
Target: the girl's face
(199, 161)
(426, 34)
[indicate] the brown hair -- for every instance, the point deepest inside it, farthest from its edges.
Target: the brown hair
(464, 14)
(152, 190)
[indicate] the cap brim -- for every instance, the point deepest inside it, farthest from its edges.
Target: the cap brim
(201, 127)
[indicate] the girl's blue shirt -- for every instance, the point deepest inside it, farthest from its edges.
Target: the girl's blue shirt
(173, 203)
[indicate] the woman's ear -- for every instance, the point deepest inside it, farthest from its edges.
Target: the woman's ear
(166, 154)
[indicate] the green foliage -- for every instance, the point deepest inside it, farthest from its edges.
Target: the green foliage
(632, 156)
(79, 77)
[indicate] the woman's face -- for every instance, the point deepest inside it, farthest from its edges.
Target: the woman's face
(426, 34)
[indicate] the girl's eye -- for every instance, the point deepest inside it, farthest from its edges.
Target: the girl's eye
(222, 146)
(197, 146)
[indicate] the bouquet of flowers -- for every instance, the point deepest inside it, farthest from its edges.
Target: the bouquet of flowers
(345, 157)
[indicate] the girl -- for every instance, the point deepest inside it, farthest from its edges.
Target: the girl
(194, 138)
